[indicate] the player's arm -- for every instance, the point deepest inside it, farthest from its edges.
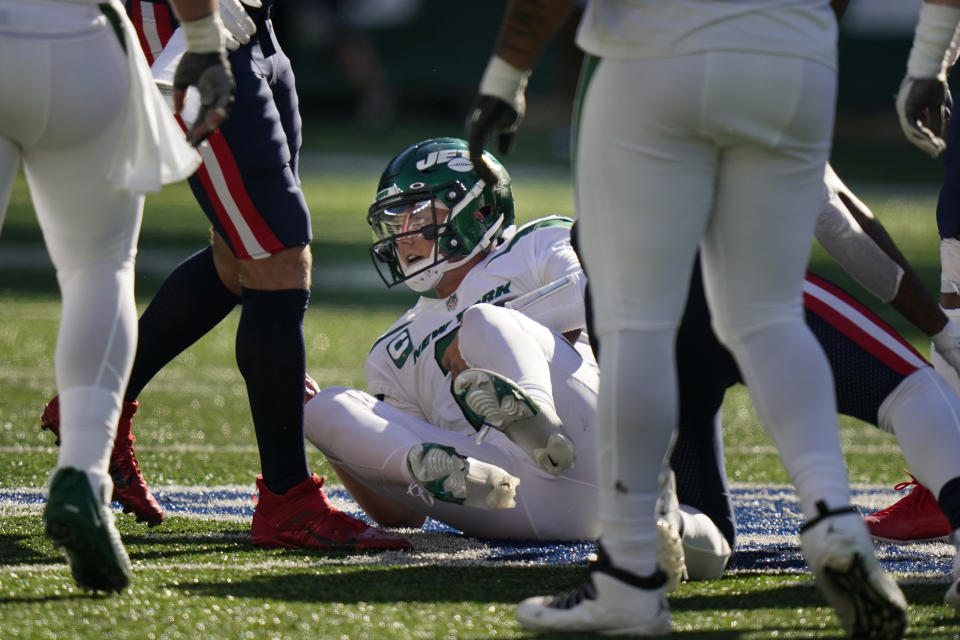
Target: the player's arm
(527, 27)
(923, 102)
(850, 232)
(556, 297)
(203, 65)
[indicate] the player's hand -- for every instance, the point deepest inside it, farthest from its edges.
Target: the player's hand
(452, 360)
(923, 106)
(210, 74)
(497, 111)
(947, 344)
(310, 388)
(238, 27)
(491, 116)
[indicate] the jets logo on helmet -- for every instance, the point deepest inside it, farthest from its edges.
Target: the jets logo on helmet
(430, 191)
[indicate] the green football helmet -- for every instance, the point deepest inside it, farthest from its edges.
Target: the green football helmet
(431, 190)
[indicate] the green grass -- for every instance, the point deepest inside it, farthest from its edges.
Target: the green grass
(201, 578)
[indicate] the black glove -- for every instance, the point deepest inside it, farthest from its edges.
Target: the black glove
(210, 74)
(923, 107)
(491, 116)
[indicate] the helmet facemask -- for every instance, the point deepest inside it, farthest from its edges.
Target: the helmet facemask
(403, 229)
(403, 225)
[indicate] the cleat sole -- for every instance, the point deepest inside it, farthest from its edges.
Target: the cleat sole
(877, 615)
(90, 570)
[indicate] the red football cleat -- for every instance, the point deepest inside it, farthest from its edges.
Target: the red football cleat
(129, 487)
(916, 516)
(304, 518)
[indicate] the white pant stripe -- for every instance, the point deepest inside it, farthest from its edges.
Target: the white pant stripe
(864, 323)
(150, 32)
(247, 237)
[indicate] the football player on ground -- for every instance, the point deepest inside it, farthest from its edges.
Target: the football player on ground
(83, 115)
(249, 188)
(414, 434)
(483, 346)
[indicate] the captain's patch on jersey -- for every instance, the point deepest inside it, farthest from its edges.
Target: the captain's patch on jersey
(400, 348)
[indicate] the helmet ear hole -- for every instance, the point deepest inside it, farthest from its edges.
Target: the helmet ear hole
(381, 253)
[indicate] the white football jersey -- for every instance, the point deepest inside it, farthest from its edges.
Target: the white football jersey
(634, 29)
(404, 364)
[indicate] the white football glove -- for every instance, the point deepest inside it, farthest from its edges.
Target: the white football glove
(238, 27)
(947, 344)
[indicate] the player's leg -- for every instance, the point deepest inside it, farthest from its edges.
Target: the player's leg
(371, 440)
(187, 305)
(705, 370)
(505, 350)
(770, 186)
(757, 311)
(637, 308)
(924, 413)
(508, 342)
(881, 379)
(249, 190)
(382, 452)
(634, 147)
(90, 229)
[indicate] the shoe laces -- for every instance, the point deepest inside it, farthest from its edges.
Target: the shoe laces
(919, 494)
(417, 491)
(900, 486)
(123, 462)
(586, 591)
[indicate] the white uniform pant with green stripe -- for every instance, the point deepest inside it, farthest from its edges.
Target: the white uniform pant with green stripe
(64, 86)
(722, 152)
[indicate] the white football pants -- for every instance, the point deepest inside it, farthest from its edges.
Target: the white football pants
(722, 152)
(370, 439)
(63, 91)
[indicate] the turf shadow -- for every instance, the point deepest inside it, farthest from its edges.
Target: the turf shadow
(360, 583)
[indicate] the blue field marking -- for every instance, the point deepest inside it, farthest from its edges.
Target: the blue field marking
(768, 519)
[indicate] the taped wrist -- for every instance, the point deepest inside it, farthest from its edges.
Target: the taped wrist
(505, 81)
(930, 55)
(204, 35)
(950, 265)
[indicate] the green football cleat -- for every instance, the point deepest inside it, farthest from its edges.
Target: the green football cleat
(487, 398)
(82, 523)
(446, 475)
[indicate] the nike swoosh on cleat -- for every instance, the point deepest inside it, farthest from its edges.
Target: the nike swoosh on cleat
(349, 544)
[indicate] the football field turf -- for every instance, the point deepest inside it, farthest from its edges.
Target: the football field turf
(197, 576)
